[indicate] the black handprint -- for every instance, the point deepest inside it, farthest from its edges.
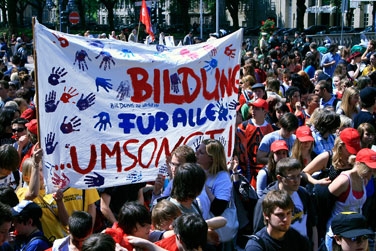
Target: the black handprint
(54, 78)
(49, 142)
(85, 103)
(233, 104)
(175, 81)
(94, 181)
(50, 104)
(71, 125)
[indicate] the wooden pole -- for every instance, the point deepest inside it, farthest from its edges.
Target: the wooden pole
(36, 101)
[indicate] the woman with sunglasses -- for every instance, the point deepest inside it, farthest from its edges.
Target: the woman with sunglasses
(19, 131)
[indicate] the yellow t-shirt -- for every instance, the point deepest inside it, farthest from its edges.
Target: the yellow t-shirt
(73, 201)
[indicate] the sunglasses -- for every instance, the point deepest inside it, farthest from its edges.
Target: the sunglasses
(18, 130)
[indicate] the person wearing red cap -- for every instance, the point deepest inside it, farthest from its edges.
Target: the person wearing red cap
(349, 188)
(278, 150)
(353, 68)
(248, 137)
(302, 148)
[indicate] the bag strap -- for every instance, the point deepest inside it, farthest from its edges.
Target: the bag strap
(258, 240)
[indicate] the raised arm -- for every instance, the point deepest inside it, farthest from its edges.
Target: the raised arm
(317, 164)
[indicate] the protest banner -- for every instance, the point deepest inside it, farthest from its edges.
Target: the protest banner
(110, 111)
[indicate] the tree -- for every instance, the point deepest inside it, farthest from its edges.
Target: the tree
(110, 4)
(3, 7)
(12, 16)
(21, 7)
(39, 6)
(233, 7)
(300, 10)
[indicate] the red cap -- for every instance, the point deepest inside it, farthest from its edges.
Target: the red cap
(279, 145)
(367, 156)
(304, 134)
(32, 126)
(351, 138)
(260, 103)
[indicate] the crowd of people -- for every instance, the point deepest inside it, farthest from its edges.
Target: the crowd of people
(303, 150)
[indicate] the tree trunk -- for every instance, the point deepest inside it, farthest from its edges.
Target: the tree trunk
(110, 4)
(301, 8)
(81, 11)
(12, 16)
(233, 8)
(184, 7)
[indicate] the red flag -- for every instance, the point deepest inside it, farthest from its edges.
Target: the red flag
(145, 19)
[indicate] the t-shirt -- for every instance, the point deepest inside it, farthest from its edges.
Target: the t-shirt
(363, 117)
(268, 139)
(292, 240)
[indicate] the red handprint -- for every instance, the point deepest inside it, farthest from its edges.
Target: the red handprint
(62, 40)
(186, 52)
(211, 48)
(67, 95)
(230, 52)
(61, 182)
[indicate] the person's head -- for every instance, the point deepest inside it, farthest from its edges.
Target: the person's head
(289, 123)
(365, 163)
(99, 242)
(346, 144)
(163, 215)
(350, 100)
(4, 87)
(191, 232)
(326, 122)
(26, 217)
(363, 82)
(22, 104)
(9, 160)
(367, 97)
(288, 173)
(323, 88)
(302, 144)
(26, 81)
(181, 155)
(313, 101)
(134, 219)
(279, 150)
(7, 114)
(351, 232)
(19, 127)
(211, 156)
(80, 225)
(32, 131)
(367, 135)
(259, 90)
(333, 48)
(8, 196)
(248, 81)
(5, 222)
(280, 109)
(293, 95)
(258, 109)
(27, 166)
(277, 208)
(188, 182)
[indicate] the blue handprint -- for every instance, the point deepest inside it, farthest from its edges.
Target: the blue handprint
(80, 57)
(96, 43)
(222, 110)
(103, 83)
(104, 119)
(49, 166)
(85, 103)
(71, 125)
(54, 78)
(210, 65)
(123, 90)
(233, 104)
(49, 143)
(197, 143)
(161, 48)
(126, 53)
(94, 181)
(134, 176)
(106, 60)
(50, 104)
(175, 81)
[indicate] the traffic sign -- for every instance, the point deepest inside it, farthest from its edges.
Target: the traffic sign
(74, 17)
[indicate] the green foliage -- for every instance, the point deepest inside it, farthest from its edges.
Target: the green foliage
(267, 26)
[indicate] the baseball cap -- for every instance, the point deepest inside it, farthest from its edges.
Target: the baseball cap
(367, 156)
(27, 208)
(32, 126)
(260, 103)
(304, 134)
(258, 85)
(278, 145)
(350, 224)
(351, 138)
(367, 96)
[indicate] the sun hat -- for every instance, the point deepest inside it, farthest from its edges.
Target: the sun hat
(351, 138)
(350, 224)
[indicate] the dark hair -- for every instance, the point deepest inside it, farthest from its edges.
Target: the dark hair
(327, 121)
(324, 84)
(5, 213)
(185, 152)
(6, 117)
(8, 196)
(99, 242)
(289, 122)
(274, 199)
(290, 92)
(287, 164)
(132, 213)
(192, 231)
(188, 182)
(80, 224)
(9, 158)
(20, 121)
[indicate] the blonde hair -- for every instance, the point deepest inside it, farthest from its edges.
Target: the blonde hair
(337, 161)
(347, 108)
(27, 165)
(162, 212)
(250, 79)
(215, 149)
(362, 169)
(296, 152)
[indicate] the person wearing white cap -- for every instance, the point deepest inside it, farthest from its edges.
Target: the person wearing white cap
(263, 44)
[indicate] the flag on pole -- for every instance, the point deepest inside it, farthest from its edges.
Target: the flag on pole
(145, 19)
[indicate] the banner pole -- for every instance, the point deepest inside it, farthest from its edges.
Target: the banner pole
(36, 101)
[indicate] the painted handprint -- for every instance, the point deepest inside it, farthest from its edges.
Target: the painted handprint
(71, 125)
(80, 57)
(49, 167)
(229, 51)
(126, 53)
(103, 83)
(67, 95)
(222, 110)
(49, 143)
(49, 104)
(212, 64)
(197, 143)
(175, 81)
(62, 40)
(233, 104)
(123, 90)
(54, 78)
(61, 182)
(161, 48)
(84, 103)
(104, 119)
(94, 181)
(211, 48)
(106, 60)
(188, 53)
(134, 176)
